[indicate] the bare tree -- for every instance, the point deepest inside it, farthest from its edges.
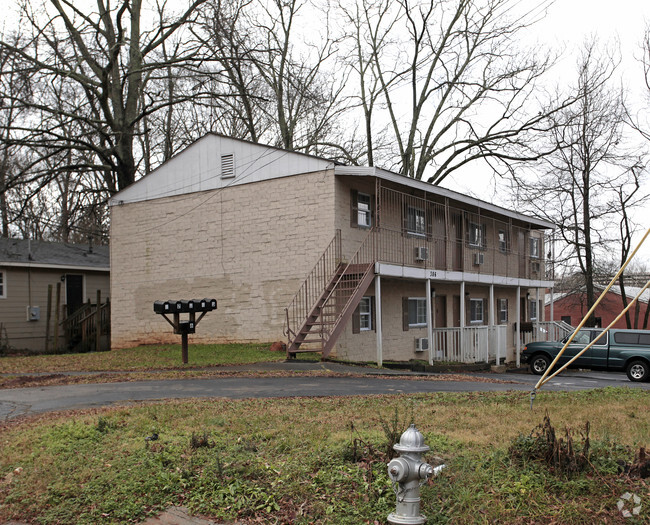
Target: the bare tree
(592, 179)
(451, 83)
(107, 55)
(275, 84)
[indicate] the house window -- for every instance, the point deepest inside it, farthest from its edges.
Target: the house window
(365, 314)
(3, 285)
(415, 221)
(477, 234)
(566, 319)
(532, 309)
(476, 311)
(417, 311)
(503, 310)
(364, 219)
(534, 247)
(503, 241)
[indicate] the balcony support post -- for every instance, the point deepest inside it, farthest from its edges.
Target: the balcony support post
(380, 357)
(429, 320)
(462, 318)
(491, 324)
(518, 331)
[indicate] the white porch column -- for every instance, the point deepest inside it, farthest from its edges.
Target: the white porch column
(462, 318)
(429, 321)
(539, 314)
(518, 331)
(380, 356)
(491, 325)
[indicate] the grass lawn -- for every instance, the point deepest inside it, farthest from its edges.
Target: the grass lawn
(323, 460)
(150, 357)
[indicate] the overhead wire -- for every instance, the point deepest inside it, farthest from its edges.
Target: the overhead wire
(545, 377)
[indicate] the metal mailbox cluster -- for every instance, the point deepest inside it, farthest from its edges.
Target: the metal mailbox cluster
(184, 306)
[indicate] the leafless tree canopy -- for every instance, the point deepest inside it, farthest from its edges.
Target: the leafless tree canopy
(96, 93)
(592, 180)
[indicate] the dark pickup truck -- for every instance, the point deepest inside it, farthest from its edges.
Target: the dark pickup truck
(617, 350)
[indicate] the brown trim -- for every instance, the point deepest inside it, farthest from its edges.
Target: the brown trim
(354, 208)
(405, 314)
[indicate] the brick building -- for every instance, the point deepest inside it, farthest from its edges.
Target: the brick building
(572, 307)
(357, 262)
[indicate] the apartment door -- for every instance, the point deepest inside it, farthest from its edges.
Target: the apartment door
(441, 311)
(456, 235)
(440, 238)
(74, 290)
(521, 254)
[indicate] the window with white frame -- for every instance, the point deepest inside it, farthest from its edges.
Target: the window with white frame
(3, 285)
(415, 221)
(365, 314)
(534, 247)
(503, 241)
(364, 218)
(502, 305)
(476, 311)
(417, 311)
(532, 310)
(477, 234)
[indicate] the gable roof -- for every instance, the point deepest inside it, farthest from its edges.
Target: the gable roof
(42, 254)
(630, 291)
(200, 167)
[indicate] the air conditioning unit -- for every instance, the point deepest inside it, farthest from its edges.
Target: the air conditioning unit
(534, 266)
(421, 253)
(421, 344)
(479, 258)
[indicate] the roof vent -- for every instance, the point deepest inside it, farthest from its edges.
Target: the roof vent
(227, 166)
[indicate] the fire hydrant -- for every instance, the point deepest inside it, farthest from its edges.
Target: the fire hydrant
(407, 473)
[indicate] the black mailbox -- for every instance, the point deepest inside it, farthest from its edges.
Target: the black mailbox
(186, 327)
(162, 307)
(187, 305)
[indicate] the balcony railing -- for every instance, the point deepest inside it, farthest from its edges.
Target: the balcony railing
(472, 344)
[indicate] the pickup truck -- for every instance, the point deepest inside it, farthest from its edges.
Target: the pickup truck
(617, 350)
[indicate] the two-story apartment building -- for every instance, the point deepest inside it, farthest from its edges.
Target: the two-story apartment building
(357, 262)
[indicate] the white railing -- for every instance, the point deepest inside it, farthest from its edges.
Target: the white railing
(545, 331)
(472, 344)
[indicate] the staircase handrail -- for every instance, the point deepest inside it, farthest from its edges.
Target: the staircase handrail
(325, 276)
(354, 260)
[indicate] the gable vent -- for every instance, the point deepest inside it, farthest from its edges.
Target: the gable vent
(227, 166)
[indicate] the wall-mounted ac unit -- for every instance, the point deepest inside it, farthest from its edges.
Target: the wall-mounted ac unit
(479, 258)
(421, 253)
(421, 344)
(534, 266)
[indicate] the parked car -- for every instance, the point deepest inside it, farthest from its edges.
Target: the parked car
(617, 350)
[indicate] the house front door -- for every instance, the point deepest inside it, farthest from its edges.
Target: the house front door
(74, 290)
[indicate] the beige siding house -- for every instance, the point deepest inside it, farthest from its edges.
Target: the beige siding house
(358, 263)
(27, 269)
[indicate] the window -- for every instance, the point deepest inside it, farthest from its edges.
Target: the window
(3, 285)
(503, 241)
(364, 219)
(476, 311)
(365, 314)
(566, 319)
(415, 221)
(417, 310)
(477, 234)
(626, 338)
(503, 310)
(532, 310)
(534, 247)
(360, 209)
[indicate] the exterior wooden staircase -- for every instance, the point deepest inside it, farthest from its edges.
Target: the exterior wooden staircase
(327, 298)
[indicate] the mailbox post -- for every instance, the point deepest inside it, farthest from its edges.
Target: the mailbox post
(188, 326)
